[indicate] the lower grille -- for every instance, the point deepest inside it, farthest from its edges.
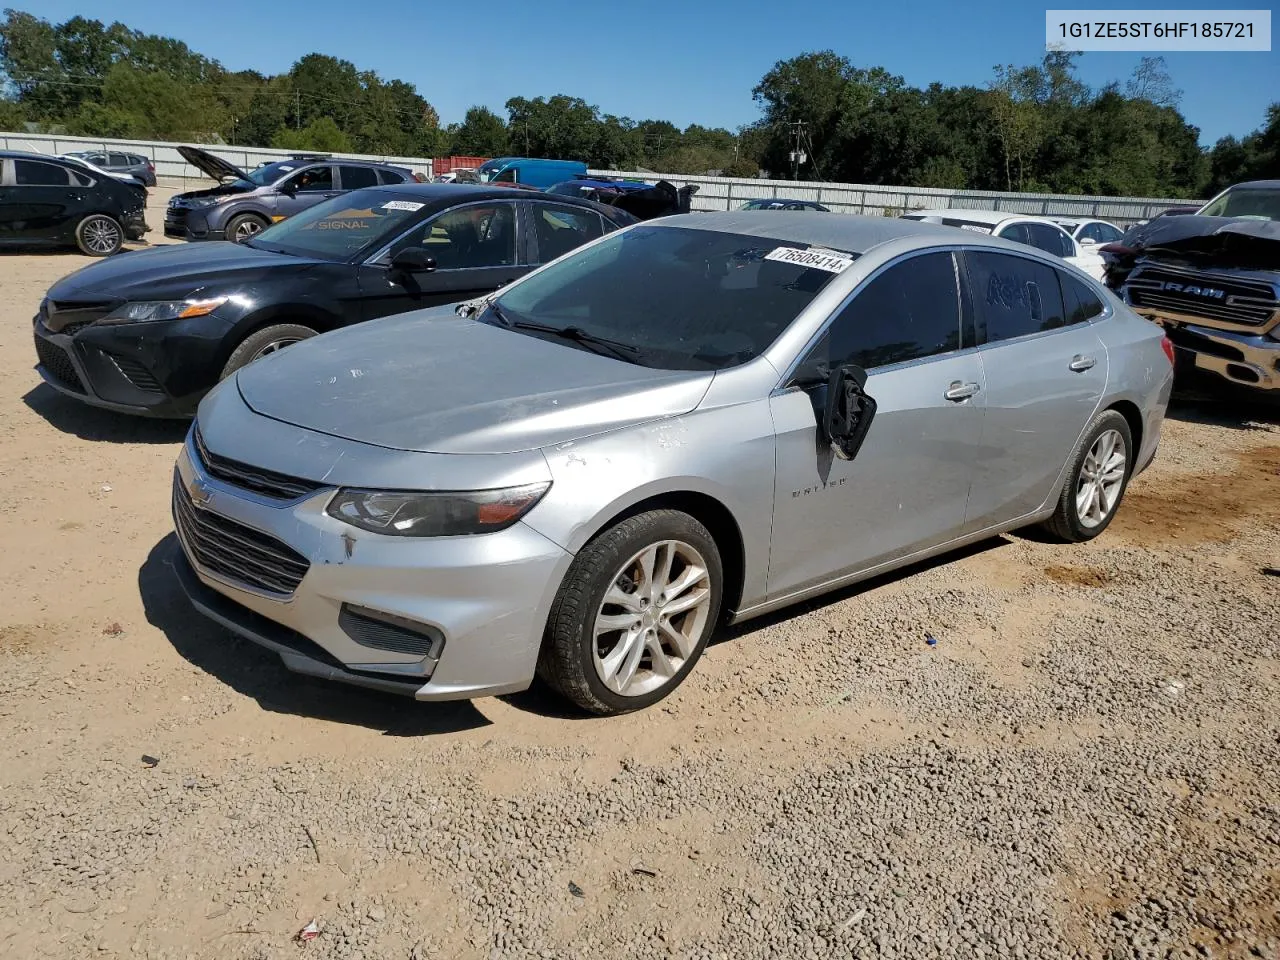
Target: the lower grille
(55, 360)
(383, 632)
(229, 549)
(277, 486)
(137, 374)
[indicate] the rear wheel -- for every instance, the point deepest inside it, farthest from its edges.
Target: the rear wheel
(263, 342)
(241, 228)
(634, 613)
(99, 235)
(1096, 483)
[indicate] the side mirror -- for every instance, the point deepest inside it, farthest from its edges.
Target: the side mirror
(849, 411)
(413, 260)
(289, 188)
(1087, 242)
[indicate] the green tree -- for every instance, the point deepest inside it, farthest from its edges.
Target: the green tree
(482, 133)
(321, 134)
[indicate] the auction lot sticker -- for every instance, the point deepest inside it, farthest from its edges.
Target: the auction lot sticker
(816, 258)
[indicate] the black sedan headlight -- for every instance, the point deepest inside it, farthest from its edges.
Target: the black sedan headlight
(443, 514)
(146, 311)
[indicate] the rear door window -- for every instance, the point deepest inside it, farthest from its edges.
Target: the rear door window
(1081, 303)
(357, 178)
(117, 160)
(33, 173)
(1013, 296)
(559, 229)
(390, 176)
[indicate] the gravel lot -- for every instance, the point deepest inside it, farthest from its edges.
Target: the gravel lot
(1086, 765)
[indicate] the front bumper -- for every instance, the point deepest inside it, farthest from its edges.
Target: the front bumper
(135, 226)
(1245, 360)
(485, 598)
(132, 369)
(191, 223)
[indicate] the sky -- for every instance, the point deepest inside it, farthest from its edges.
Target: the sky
(679, 60)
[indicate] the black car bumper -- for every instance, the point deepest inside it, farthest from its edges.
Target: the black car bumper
(135, 227)
(132, 369)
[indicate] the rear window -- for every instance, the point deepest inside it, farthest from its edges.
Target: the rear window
(357, 178)
(681, 299)
(390, 176)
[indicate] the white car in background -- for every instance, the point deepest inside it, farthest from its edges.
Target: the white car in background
(1039, 232)
(1089, 232)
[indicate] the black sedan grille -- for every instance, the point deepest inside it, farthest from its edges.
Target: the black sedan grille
(55, 360)
(277, 486)
(137, 374)
(235, 552)
(68, 316)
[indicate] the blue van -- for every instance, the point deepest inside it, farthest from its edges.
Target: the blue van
(531, 173)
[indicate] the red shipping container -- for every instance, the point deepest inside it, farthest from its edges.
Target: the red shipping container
(449, 164)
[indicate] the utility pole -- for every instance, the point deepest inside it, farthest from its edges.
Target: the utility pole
(797, 155)
(297, 109)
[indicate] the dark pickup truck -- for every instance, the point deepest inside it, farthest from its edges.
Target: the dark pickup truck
(1212, 280)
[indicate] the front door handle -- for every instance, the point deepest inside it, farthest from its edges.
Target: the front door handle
(960, 391)
(1080, 363)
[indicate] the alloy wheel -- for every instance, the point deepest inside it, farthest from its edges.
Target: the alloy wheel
(274, 346)
(246, 229)
(101, 235)
(1101, 478)
(653, 615)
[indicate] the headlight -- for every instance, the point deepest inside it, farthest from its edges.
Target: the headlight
(445, 514)
(146, 310)
(196, 202)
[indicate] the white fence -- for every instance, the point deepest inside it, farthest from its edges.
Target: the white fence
(729, 193)
(714, 193)
(170, 167)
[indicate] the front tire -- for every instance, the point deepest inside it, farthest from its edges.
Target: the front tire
(634, 613)
(241, 228)
(99, 235)
(263, 342)
(1096, 482)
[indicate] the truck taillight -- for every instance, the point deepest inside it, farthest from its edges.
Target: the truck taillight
(1167, 346)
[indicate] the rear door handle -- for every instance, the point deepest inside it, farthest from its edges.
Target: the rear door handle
(1080, 363)
(960, 391)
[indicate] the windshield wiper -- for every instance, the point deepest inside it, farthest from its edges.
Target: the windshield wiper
(597, 344)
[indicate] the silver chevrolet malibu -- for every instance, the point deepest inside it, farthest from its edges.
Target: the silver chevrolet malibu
(687, 422)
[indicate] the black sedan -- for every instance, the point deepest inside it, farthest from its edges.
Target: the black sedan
(48, 201)
(152, 331)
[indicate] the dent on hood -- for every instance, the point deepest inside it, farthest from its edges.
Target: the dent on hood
(1210, 241)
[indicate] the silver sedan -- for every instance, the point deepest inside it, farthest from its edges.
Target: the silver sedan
(688, 422)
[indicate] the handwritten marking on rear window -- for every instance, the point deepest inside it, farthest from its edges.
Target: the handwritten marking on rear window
(815, 258)
(1006, 292)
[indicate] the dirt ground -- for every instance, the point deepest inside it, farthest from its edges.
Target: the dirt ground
(1087, 763)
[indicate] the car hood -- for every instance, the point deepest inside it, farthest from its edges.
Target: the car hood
(214, 166)
(172, 271)
(1209, 241)
(433, 382)
(230, 189)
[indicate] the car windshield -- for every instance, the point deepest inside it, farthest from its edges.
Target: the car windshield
(270, 173)
(673, 298)
(1256, 204)
(340, 228)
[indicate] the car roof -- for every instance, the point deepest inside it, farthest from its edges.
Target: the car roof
(988, 217)
(29, 155)
(854, 234)
(1256, 185)
(444, 194)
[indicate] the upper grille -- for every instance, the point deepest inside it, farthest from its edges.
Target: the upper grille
(1248, 303)
(55, 360)
(230, 549)
(68, 316)
(277, 486)
(136, 374)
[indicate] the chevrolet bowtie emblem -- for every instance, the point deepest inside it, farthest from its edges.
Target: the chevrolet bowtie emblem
(199, 492)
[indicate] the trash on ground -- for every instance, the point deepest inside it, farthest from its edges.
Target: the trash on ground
(150, 761)
(113, 630)
(106, 488)
(930, 639)
(309, 932)
(1271, 571)
(857, 915)
(576, 890)
(642, 869)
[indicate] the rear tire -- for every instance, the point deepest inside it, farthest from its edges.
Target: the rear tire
(265, 341)
(99, 235)
(633, 614)
(1096, 482)
(240, 228)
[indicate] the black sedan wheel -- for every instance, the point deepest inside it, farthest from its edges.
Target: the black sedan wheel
(98, 235)
(264, 342)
